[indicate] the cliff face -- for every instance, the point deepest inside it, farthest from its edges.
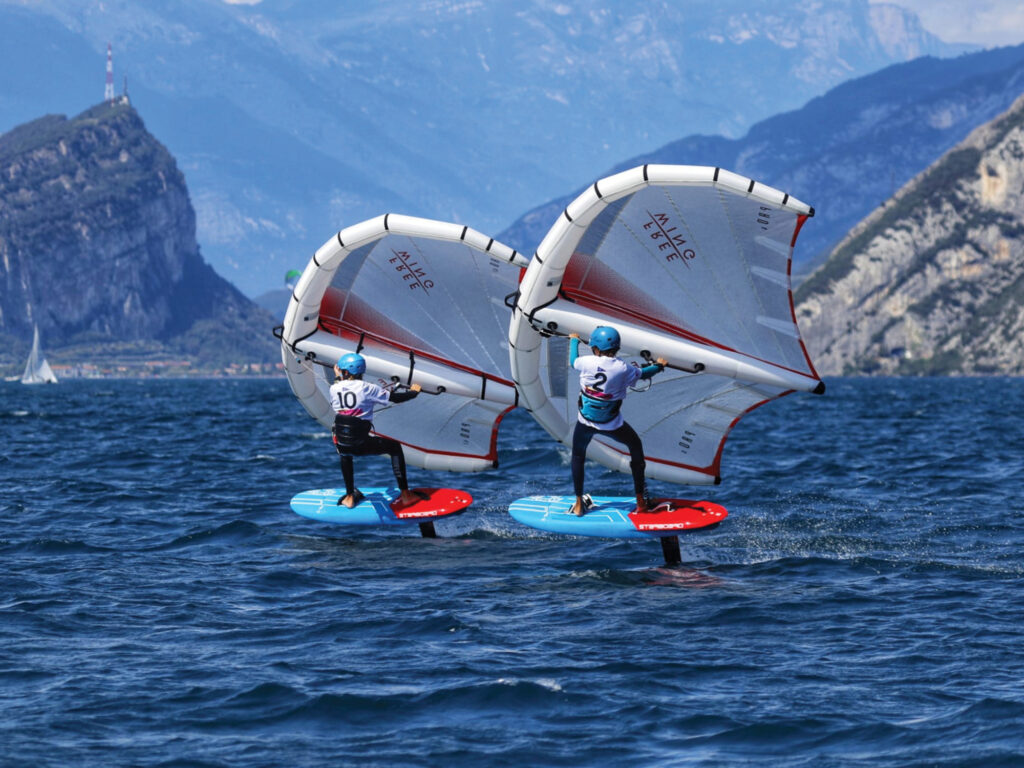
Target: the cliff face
(97, 241)
(933, 282)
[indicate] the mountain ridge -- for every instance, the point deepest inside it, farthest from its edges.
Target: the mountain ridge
(97, 241)
(461, 111)
(845, 151)
(934, 282)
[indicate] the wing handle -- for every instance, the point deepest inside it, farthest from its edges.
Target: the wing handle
(649, 358)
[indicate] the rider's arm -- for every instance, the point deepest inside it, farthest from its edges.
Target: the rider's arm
(401, 397)
(574, 348)
(654, 368)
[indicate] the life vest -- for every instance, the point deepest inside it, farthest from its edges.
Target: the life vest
(598, 410)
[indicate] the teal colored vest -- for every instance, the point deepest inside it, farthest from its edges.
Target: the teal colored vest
(597, 410)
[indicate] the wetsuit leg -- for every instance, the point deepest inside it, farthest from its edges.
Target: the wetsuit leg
(378, 445)
(348, 473)
(581, 437)
(627, 435)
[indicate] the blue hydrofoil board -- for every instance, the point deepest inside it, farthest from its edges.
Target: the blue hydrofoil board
(378, 506)
(611, 516)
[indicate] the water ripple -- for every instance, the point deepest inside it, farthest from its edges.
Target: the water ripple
(161, 605)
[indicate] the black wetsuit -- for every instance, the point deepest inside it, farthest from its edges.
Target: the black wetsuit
(352, 438)
(581, 438)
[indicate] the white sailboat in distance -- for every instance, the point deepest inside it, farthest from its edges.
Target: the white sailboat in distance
(37, 370)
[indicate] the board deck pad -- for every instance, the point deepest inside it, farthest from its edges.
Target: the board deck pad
(612, 516)
(378, 506)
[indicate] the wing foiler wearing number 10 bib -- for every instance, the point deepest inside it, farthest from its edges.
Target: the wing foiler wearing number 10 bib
(353, 401)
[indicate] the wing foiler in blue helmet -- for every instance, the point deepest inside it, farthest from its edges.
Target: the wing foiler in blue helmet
(353, 363)
(605, 338)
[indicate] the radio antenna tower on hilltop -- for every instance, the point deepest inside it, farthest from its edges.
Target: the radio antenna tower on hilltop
(108, 92)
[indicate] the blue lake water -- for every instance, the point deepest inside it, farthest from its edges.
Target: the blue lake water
(161, 605)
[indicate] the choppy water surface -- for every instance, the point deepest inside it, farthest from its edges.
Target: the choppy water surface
(161, 605)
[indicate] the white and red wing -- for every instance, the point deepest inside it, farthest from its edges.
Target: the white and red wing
(691, 264)
(423, 302)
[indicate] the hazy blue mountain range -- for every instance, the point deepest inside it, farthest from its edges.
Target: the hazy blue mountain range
(292, 119)
(847, 151)
(98, 249)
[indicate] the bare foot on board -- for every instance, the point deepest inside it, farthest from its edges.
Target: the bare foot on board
(410, 497)
(351, 501)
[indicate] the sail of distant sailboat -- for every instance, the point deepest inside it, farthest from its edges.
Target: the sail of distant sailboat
(37, 370)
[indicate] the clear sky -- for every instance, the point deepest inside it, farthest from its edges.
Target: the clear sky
(985, 22)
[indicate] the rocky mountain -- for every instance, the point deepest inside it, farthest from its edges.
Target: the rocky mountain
(932, 283)
(847, 151)
(98, 247)
(294, 119)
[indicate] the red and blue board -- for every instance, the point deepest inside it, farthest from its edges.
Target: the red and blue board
(378, 506)
(613, 517)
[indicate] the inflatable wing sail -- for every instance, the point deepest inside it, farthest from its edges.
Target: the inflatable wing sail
(423, 302)
(691, 264)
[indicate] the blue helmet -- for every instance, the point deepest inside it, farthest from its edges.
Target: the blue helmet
(605, 338)
(353, 363)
